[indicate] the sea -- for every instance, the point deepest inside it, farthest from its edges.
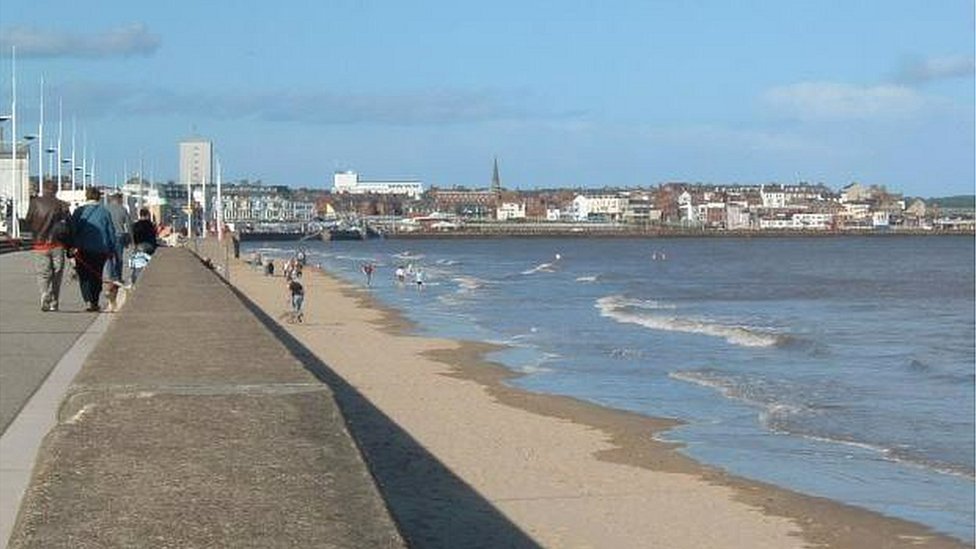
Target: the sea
(840, 367)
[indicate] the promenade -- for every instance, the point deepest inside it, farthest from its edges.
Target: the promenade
(189, 424)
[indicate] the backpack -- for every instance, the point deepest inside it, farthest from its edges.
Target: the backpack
(62, 230)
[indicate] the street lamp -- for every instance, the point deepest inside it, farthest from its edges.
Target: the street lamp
(27, 139)
(13, 182)
(50, 163)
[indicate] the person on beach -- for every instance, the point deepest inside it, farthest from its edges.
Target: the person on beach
(144, 233)
(368, 269)
(269, 267)
(400, 274)
(122, 223)
(418, 278)
(293, 269)
(50, 221)
(297, 292)
(94, 243)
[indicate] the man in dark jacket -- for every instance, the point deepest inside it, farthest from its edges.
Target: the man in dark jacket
(50, 221)
(94, 243)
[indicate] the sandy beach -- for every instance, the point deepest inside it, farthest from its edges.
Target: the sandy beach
(563, 472)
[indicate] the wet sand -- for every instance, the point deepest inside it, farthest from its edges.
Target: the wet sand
(565, 472)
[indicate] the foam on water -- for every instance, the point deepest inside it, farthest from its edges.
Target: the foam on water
(620, 309)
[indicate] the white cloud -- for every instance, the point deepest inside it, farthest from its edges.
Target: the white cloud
(920, 71)
(133, 39)
(813, 101)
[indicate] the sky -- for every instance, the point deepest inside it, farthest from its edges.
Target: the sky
(566, 93)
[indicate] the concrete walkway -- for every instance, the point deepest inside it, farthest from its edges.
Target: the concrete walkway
(191, 425)
(40, 353)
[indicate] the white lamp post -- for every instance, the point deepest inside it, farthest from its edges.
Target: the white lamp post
(60, 131)
(219, 206)
(15, 172)
(27, 140)
(40, 146)
(50, 163)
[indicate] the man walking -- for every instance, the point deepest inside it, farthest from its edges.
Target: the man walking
(122, 222)
(50, 222)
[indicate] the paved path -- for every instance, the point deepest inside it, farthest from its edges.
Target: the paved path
(191, 425)
(32, 342)
(40, 353)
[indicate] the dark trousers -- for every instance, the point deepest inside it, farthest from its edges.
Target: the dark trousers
(90, 266)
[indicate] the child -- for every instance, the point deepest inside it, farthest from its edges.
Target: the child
(137, 262)
(297, 298)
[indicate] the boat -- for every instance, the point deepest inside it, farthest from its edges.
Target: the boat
(278, 232)
(347, 231)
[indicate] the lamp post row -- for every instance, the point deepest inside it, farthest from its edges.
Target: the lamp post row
(20, 190)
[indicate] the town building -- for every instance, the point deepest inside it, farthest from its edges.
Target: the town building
(14, 184)
(508, 211)
(350, 182)
(264, 204)
(196, 162)
(601, 207)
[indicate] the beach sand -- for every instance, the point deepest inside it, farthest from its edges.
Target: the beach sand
(465, 460)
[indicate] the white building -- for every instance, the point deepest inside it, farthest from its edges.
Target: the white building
(196, 162)
(511, 210)
(14, 183)
(815, 221)
(610, 207)
(774, 198)
(350, 182)
(264, 206)
(799, 221)
(737, 217)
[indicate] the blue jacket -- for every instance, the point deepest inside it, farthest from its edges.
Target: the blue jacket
(94, 230)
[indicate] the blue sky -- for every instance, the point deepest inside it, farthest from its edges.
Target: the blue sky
(565, 93)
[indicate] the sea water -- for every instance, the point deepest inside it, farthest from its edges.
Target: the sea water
(836, 367)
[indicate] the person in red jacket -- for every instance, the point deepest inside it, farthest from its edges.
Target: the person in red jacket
(50, 221)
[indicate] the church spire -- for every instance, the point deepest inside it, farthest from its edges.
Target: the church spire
(496, 182)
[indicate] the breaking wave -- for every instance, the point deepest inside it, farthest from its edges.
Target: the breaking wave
(631, 311)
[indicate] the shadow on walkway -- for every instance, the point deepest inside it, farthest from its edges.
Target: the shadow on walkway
(431, 505)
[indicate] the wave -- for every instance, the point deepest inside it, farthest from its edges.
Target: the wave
(592, 278)
(788, 418)
(469, 283)
(541, 268)
(627, 311)
(409, 256)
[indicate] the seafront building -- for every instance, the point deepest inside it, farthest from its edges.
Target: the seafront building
(350, 182)
(255, 203)
(196, 162)
(14, 183)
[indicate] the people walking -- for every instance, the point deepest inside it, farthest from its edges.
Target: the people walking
(297, 292)
(50, 221)
(94, 242)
